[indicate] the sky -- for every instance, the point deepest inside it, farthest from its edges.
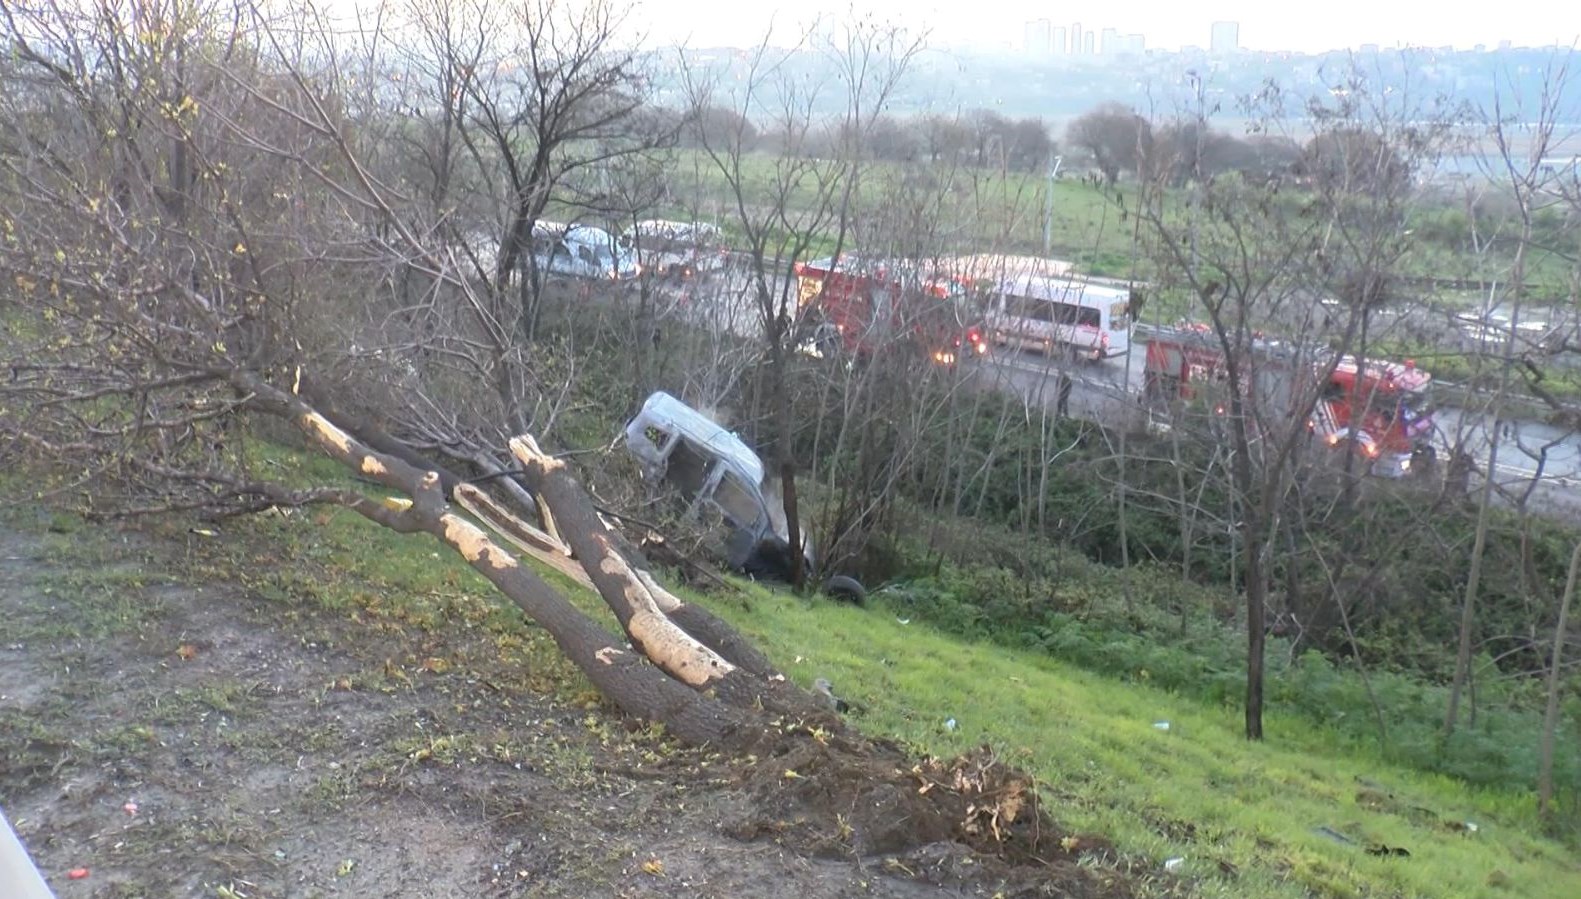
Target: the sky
(1167, 24)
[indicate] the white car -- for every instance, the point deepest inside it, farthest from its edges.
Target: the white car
(581, 251)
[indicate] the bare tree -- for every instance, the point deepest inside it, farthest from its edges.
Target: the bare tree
(1256, 262)
(145, 348)
(1521, 138)
(802, 199)
(1115, 135)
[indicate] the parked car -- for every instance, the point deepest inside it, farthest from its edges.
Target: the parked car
(581, 251)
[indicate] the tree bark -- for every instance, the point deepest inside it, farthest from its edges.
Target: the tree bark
(1256, 627)
(628, 679)
(1545, 763)
(370, 433)
(649, 614)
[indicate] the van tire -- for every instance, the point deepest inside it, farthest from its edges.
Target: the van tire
(845, 589)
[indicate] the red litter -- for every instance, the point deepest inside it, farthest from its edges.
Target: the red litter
(77, 874)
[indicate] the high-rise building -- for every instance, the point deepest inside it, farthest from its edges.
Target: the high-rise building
(1057, 40)
(1035, 37)
(1089, 43)
(1075, 39)
(1109, 41)
(1224, 37)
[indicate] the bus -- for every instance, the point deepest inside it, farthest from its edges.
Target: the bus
(686, 249)
(1085, 319)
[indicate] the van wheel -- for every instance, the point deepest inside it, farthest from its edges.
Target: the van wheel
(845, 589)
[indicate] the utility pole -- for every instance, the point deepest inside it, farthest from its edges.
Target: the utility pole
(1048, 219)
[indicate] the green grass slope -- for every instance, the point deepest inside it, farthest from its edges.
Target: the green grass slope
(1293, 816)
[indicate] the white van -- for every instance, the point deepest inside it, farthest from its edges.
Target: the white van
(714, 469)
(1087, 320)
(581, 251)
(683, 248)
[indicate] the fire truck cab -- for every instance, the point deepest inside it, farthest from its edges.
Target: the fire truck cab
(1381, 412)
(858, 306)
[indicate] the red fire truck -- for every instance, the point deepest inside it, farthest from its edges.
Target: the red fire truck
(859, 306)
(1381, 413)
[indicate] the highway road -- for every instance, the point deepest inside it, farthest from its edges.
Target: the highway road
(1106, 391)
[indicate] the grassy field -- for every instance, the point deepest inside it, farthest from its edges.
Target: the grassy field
(1294, 816)
(977, 210)
(1249, 819)
(1006, 211)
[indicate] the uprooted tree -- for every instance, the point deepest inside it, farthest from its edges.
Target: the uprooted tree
(188, 217)
(162, 288)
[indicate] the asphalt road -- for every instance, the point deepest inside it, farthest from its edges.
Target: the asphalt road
(1105, 391)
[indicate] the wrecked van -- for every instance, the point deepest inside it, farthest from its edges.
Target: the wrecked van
(717, 474)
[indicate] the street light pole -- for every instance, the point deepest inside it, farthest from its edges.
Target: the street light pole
(1048, 219)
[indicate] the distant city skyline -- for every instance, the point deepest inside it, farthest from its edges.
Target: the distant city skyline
(1001, 24)
(1044, 38)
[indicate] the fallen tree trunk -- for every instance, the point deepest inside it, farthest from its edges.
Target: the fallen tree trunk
(370, 433)
(688, 642)
(652, 616)
(627, 678)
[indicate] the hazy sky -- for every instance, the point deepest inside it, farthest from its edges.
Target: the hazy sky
(1265, 24)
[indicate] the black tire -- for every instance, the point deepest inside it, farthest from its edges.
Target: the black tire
(768, 560)
(845, 589)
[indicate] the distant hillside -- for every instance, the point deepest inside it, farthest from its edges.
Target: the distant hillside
(1158, 83)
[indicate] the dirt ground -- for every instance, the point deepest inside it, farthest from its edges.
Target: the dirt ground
(177, 733)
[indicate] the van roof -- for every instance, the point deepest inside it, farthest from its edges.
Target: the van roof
(673, 229)
(1085, 293)
(576, 231)
(669, 413)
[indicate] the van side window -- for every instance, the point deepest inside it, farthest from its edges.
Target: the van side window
(585, 253)
(737, 501)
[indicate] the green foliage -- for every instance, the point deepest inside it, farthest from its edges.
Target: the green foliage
(1247, 818)
(1146, 626)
